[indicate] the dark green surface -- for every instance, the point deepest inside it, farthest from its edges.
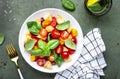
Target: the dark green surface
(14, 12)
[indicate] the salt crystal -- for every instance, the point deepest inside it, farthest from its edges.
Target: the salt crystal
(10, 11)
(5, 11)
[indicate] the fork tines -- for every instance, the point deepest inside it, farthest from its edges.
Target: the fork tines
(11, 50)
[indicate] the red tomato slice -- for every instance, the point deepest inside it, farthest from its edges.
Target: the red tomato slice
(65, 55)
(59, 49)
(34, 37)
(54, 22)
(71, 51)
(43, 33)
(74, 40)
(64, 34)
(55, 33)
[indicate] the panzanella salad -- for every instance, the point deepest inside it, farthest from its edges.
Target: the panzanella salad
(50, 40)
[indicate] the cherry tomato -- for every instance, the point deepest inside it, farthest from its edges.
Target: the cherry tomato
(59, 49)
(65, 55)
(64, 34)
(55, 33)
(74, 40)
(41, 62)
(43, 33)
(54, 22)
(71, 51)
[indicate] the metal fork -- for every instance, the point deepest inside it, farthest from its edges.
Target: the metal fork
(13, 56)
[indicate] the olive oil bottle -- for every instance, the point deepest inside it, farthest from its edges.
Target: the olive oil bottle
(98, 7)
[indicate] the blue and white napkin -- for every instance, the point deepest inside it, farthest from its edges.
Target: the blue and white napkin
(91, 62)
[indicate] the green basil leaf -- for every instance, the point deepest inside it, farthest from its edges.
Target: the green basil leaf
(41, 44)
(36, 52)
(30, 44)
(46, 52)
(58, 59)
(1, 38)
(63, 25)
(33, 27)
(68, 4)
(38, 26)
(70, 44)
(52, 44)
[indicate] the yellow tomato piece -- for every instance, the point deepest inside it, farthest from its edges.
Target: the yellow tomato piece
(74, 32)
(32, 58)
(61, 41)
(46, 23)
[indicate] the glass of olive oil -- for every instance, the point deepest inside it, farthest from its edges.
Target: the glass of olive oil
(98, 7)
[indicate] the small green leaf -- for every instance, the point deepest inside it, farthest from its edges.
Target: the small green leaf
(68, 4)
(36, 52)
(70, 44)
(1, 38)
(52, 44)
(63, 26)
(30, 44)
(46, 52)
(41, 44)
(38, 26)
(58, 59)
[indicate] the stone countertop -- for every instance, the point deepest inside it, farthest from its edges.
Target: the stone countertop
(14, 12)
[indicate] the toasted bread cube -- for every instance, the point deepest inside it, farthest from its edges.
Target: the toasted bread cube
(49, 28)
(48, 17)
(48, 65)
(60, 19)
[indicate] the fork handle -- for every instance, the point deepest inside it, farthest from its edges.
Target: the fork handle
(20, 74)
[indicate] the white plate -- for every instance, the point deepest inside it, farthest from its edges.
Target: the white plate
(54, 12)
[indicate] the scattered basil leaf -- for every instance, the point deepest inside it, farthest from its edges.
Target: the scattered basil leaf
(1, 38)
(63, 25)
(36, 52)
(34, 27)
(41, 44)
(58, 59)
(70, 44)
(30, 44)
(68, 4)
(52, 44)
